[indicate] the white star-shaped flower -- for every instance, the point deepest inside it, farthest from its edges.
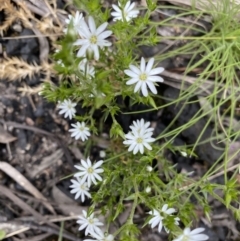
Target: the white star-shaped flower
(77, 21)
(92, 38)
(126, 13)
(90, 223)
(141, 124)
(67, 108)
(101, 237)
(159, 216)
(89, 172)
(80, 130)
(139, 137)
(80, 189)
(193, 235)
(86, 69)
(144, 77)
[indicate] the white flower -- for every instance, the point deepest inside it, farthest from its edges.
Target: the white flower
(89, 172)
(126, 13)
(67, 108)
(144, 76)
(90, 223)
(86, 68)
(140, 124)
(102, 154)
(176, 221)
(77, 21)
(101, 237)
(148, 190)
(80, 189)
(139, 137)
(149, 168)
(183, 153)
(193, 235)
(92, 38)
(158, 218)
(80, 130)
(60, 62)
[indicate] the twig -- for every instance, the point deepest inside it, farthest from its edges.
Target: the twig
(40, 131)
(19, 178)
(32, 36)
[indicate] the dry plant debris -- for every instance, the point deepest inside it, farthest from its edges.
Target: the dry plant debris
(48, 27)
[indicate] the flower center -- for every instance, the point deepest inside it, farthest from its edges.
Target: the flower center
(143, 77)
(81, 128)
(139, 140)
(90, 170)
(82, 187)
(91, 221)
(185, 238)
(93, 39)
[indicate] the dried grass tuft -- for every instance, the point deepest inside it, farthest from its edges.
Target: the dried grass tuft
(27, 90)
(15, 68)
(24, 12)
(10, 17)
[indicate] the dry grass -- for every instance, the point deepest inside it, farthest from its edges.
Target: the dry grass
(47, 28)
(17, 69)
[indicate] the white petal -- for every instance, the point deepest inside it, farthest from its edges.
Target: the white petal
(155, 78)
(197, 230)
(135, 150)
(143, 65)
(138, 86)
(149, 65)
(147, 146)
(82, 50)
(156, 71)
(152, 87)
(116, 8)
(141, 148)
(132, 81)
(96, 52)
(135, 69)
(127, 6)
(160, 227)
(101, 28)
(97, 164)
(91, 24)
(199, 237)
(131, 73)
(144, 89)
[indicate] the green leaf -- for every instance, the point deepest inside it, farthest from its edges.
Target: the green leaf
(152, 102)
(151, 5)
(116, 130)
(228, 199)
(131, 197)
(103, 74)
(2, 234)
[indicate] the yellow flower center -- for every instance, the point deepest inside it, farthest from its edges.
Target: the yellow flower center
(143, 77)
(185, 238)
(90, 220)
(139, 140)
(93, 39)
(90, 170)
